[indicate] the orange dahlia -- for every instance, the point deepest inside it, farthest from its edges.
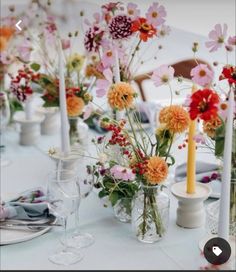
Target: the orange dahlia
(209, 127)
(156, 170)
(175, 117)
(75, 106)
(120, 96)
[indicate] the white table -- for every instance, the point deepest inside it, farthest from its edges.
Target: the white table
(115, 247)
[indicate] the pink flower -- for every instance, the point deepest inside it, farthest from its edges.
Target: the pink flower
(5, 58)
(155, 15)
(108, 58)
(199, 138)
(164, 31)
(88, 111)
(65, 44)
(202, 75)
(104, 84)
(232, 40)
(133, 11)
(162, 75)
(24, 51)
(217, 37)
(122, 173)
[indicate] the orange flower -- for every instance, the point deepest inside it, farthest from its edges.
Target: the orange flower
(91, 70)
(75, 106)
(6, 32)
(121, 96)
(3, 43)
(209, 127)
(175, 117)
(156, 170)
(145, 29)
(5, 35)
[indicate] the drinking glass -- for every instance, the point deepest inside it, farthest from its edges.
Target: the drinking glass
(80, 239)
(4, 120)
(63, 194)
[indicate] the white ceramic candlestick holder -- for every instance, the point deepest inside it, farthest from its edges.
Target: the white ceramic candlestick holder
(190, 212)
(50, 124)
(29, 128)
(68, 162)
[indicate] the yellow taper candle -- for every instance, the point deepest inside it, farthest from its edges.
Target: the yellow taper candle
(191, 161)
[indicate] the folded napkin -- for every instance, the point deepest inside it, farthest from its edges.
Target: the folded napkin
(205, 172)
(30, 205)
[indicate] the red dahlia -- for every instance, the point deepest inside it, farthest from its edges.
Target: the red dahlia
(229, 72)
(204, 104)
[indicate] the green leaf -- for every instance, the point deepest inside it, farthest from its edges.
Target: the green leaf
(219, 140)
(35, 66)
(114, 197)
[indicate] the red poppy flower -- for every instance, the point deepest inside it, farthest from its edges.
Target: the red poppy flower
(146, 30)
(204, 105)
(229, 72)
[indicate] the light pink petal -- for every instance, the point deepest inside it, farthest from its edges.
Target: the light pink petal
(88, 111)
(108, 75)
(218, 30)
(213, 35)
(225, 28)
(101, 92)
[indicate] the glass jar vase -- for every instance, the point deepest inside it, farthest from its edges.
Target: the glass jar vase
(122, 209)
(150, 213)
(78, 132)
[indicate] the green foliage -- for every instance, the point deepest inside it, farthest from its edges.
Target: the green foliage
(35, 66)
(219, 140)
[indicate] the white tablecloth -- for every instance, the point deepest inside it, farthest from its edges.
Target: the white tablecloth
(115, 245)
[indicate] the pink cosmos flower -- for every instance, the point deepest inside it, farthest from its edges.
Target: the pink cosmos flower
(122, 173)
(202, 75)
(162, 75)
(104, 84)
(65, 44)
(5, 58)
(108, 58)
(155, 14)
(232, 40)
(24, 51)
(217, 37)
(133, 11)
(88, 111)
(199, 138)
(164, 31)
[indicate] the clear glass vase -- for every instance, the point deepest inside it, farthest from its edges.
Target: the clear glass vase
(78, 132)
(122, 209)
(150, 214)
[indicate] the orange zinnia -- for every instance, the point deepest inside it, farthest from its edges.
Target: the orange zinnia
(75, 106)
(209, 127)
(145, 30)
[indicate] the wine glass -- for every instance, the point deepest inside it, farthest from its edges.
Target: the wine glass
(80, 239)
(63, 194)
(4, 120)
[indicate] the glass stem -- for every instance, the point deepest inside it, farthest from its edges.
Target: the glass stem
(65, 233)
(77, 220)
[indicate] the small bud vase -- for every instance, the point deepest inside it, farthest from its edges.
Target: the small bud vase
(122, 209)
(150, 213)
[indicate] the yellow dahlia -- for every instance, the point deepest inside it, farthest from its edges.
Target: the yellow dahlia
(75, 106)
(209, 127)
(156, 170)
(175, 117)
(120, 96)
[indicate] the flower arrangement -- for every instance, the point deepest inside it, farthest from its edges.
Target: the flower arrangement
(128, 161)
(113, 41)
(209, 105)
